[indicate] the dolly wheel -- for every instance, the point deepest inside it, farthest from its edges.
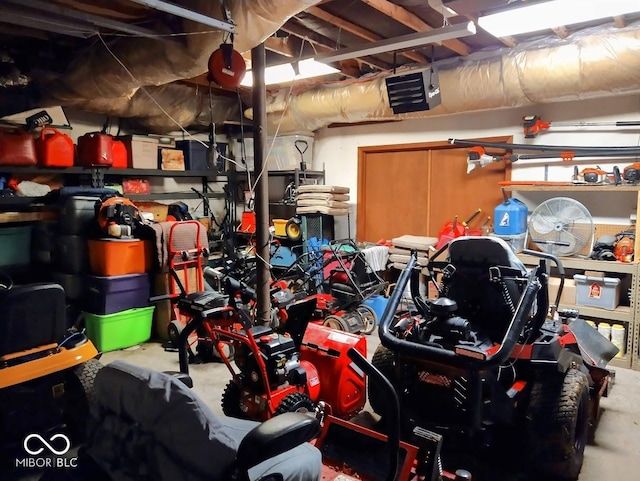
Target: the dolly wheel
(231, 398)
(558, 425)
(369, 317)
(296, 402)
(81, 398)
(384, 360)
(336, 322)
(174, 329)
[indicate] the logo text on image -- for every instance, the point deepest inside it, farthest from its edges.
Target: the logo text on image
(51, 450)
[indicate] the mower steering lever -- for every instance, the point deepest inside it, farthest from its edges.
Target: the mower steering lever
(462, 356)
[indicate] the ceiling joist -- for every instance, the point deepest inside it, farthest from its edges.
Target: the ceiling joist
(359, 31)
(322, 44)
(414, 22)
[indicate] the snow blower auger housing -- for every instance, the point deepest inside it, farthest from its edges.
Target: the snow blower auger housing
(489, 356)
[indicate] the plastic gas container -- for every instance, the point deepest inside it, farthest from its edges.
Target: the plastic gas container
(95, 149)
(510, 218)
(17, 148)
(120, 156)
(55, 149)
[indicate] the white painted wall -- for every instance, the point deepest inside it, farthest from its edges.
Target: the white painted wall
(337, 148)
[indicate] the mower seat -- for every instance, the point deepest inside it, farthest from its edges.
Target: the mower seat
(149, 425)
(33, 315)
(481, 300)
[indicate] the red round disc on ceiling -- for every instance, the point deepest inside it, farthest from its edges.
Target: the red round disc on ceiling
(226, 66)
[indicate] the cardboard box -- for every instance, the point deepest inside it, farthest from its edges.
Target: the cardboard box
(142, 151)
(568, 296)
(171, 159)
(159, 210)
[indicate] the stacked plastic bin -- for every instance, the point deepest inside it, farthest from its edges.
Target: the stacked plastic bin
(116, 304)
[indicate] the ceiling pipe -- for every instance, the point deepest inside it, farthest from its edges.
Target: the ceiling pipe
(598, 65)
(188, 14)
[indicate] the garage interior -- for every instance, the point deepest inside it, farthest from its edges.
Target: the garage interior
(224, 202)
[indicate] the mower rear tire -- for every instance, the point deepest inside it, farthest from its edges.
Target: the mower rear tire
(296, 402)
(336, 322)
(231, 398)
(369, 318)
(384, 360)
(82, 398)
(558, 425)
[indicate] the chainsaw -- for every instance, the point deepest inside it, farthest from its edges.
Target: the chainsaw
(596, 176)
(631, 173)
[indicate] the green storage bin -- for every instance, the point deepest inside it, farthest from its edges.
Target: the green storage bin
(15, 246)
(111, 332)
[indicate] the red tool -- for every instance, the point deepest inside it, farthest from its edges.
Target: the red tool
(451, 230)
(532, 125)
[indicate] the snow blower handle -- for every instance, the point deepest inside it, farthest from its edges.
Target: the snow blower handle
(393, 409)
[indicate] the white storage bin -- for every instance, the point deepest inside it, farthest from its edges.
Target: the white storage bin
(285, 156)
(603, 292)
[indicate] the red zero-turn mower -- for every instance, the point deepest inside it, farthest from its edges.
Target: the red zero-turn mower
(486, 366)
(274, 372)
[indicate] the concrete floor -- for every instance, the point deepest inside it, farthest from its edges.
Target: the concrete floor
(615, 455)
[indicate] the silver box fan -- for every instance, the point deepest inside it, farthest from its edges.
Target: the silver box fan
(561, 226)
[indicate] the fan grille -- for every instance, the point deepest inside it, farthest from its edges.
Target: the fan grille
(561, 226)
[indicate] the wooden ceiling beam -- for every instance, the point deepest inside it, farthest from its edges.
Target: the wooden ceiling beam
(414, 22)
(359, 31)
(282, 46)
(321, 44)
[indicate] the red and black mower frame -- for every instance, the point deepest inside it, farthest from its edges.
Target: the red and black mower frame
(489, 356)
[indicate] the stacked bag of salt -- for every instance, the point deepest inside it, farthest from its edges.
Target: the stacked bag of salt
(322, 199)
(400, 253)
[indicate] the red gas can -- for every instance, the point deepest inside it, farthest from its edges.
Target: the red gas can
(55, 149)
(95, 149)
(119, 155)
(17, 148)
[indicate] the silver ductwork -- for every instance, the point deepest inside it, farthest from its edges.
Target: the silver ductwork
(596, 64)
(96, 82)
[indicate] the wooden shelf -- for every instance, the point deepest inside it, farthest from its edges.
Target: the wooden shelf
(173, 195)
(573, 188)
(620, 313)
(118, 172)
(6, 217)
(623, 362)
(586, 264)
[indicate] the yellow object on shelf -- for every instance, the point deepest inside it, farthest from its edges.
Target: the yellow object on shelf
(279, 225)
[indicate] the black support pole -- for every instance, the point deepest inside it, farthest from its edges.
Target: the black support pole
(261, 204)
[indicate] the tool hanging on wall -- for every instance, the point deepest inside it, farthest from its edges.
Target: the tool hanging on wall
(479, 157)
(532, 125)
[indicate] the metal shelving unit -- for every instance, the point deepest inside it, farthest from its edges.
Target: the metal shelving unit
(627, 315)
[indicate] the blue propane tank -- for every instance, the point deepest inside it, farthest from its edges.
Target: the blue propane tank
(510, 218)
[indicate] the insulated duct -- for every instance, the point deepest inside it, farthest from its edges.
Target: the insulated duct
(96, 82)
(601, 64)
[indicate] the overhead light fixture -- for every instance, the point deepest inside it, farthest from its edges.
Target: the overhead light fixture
(286, 72)
(552, 14)
(404, 42)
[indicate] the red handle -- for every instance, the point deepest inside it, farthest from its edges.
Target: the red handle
(46, 131)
